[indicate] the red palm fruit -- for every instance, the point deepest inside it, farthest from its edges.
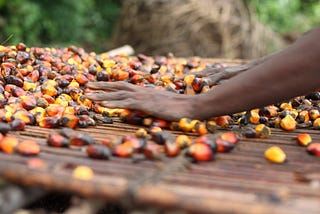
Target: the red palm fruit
(28, 147)
(21, 46)
(8, 144)
(210, 140)
(34, 75)
(55, 110)
(98, 151)
(17, 125)
(81, 79)
(69, 120)
(49, 98)
(232, 137)
(57, 140)
(304, 139)
(25, 116)
(81, 139)
(200, 152)
(314, 149)
(123, 150)
(28, 102)
(171, 148)
(223, 121)
(49, 122)
(136, 143)
(224, 146)
(17, 91)
(152, 151)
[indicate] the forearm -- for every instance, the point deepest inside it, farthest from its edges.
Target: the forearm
(288, 73)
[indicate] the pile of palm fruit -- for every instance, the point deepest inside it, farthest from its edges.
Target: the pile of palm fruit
(46, 87)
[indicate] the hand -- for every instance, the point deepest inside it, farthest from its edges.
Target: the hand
(216, 74)
(161, 104)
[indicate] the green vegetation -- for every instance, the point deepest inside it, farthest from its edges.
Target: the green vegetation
(61, 22)
(288, 16)
(89, 23)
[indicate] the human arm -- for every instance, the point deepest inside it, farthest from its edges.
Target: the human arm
(288, 73)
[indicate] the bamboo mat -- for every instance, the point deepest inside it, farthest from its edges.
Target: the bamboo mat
(238, 182)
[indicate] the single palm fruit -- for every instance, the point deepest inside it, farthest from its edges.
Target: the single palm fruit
(25, 116)
(314, 149)
(123, 150)
(141, 133)
(249, 132)
(314, 114)
(8, 144)
(316, 123)
(185, 124)
(171, 148)
(303, 116)
(254, 116)
(223, 121)
(4, 128)
(183, 141)
(55, 110)
(224, 145)
(200, 152)
(275, 154)
(28, 147)
(81, 139)
(304, 139)
(18, 125)
(57, 140)
(83, 173)
(231, 137)
(286, 106)
(208, 139)
(49, 122)
(262, 131)
(28, 102)
(98, 151)
(69, 120)
(288, 123)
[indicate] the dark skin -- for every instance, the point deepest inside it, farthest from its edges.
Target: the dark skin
(291, 72)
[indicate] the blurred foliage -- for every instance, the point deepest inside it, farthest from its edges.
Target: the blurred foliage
(89, 23)
(56, 23)
(287, 16)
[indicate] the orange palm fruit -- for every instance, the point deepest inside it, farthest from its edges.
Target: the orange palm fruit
(28, 101)
(57, 140)
(275, 154)
(8, 144)
(304, 139)
(262, 131)
(314, 148)
(28, 147)
(288, 123)
(200, 152)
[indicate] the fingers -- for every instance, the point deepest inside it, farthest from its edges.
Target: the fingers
(118, 95)
(111, 86)
(126, 103)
